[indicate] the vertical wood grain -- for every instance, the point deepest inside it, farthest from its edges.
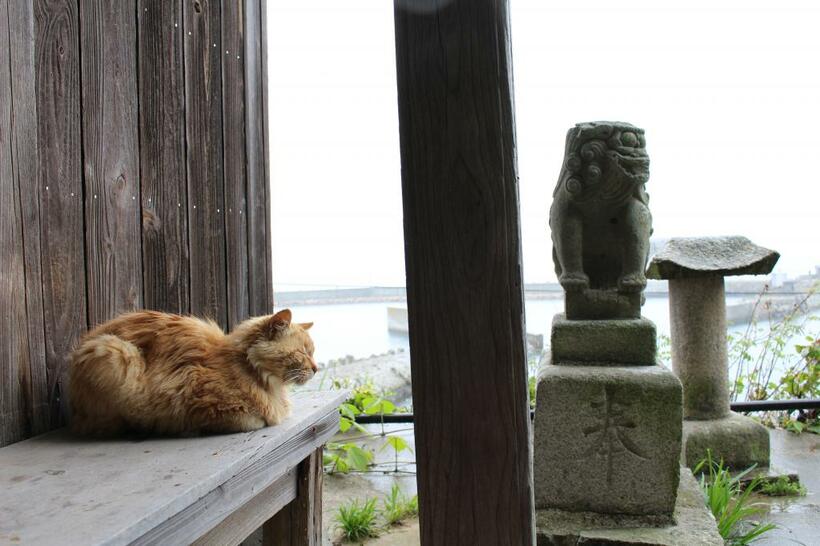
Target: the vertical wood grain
(57, 81)
(463, 261)
(165, 255)
(14, 361)
(108, 43)
(300, 522)
(233, 111)
(268, 241)
(259, 247)
(25, 159)
(206, 194)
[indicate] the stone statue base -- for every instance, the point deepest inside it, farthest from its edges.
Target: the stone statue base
(591, 304)
(693, 524)
(738, 440)
(607, 437)
(629, 342)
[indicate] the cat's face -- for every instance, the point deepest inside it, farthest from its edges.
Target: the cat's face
(284, 348)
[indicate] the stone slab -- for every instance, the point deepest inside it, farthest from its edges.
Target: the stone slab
(603, 342)
(607, 439)
(740, 441)
(693, 525)
(592, 304)
(687, 257)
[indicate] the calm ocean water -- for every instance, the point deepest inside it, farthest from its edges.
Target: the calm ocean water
(360, 329)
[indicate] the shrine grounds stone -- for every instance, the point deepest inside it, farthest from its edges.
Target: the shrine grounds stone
(608, 440)
(737, 439)
(693, 525)
(608, 419)
(603, 342)
(695, 268)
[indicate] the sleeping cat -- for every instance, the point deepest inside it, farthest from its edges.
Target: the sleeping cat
(168, 374)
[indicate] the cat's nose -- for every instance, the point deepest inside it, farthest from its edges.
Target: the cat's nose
(313, 366)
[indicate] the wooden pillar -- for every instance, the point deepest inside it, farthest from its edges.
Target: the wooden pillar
(300, 522)
(463, 260)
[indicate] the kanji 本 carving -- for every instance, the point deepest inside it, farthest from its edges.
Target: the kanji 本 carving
(612, 430)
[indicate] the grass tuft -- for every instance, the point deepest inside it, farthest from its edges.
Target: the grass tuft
(731, 503)
(398, 507)
(357, 521)
(782, 487)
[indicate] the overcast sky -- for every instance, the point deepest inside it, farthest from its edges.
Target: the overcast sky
(728, 93)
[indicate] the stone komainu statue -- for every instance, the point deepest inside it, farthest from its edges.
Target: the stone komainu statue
(599, 218)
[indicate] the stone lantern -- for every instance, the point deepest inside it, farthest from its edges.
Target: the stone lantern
(695, 268)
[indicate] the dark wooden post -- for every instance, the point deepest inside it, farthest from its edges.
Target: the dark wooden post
(463, 259)
(300, 522)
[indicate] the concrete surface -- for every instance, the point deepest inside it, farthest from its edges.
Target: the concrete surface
(797, 518)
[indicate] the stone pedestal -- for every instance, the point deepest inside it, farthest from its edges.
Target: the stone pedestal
(603, 342)
(693, 525)
(695, 268)
(607, 439)
(740, 441)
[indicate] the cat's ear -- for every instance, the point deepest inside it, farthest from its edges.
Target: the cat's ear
(305, 325)
(278, 323)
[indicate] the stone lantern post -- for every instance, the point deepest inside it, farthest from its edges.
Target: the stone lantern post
(695, 268)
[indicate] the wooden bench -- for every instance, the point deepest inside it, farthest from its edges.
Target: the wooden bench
(60, 489)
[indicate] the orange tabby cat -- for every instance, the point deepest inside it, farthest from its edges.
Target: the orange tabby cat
(168, 374)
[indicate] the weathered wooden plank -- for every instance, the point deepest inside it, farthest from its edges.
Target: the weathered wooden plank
(57, 83)
(263, 54)
(111, 158)
(233, 112)
(24, 155)
(165, 255)
(259, 248)
(238, 526)
(300, 522)
(206, 189)
(463, 262)
(59, 489)
(14, 361)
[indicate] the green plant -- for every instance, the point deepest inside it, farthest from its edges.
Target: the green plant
(531, 382)
(398, 507)
(357, 520)
(345, 457)
(398, 444)
(782, 487)
(730, 502)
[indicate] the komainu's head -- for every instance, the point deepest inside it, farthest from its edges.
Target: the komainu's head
(605, 160)
(278, 347)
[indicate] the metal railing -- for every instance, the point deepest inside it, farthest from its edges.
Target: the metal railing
(741, 407)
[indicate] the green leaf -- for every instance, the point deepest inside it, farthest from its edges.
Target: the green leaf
(349, 411)
(357, 457)
(378, 406)
(345, 424)
(397, 443)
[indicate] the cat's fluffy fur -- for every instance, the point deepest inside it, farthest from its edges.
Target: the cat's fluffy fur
(168, 374)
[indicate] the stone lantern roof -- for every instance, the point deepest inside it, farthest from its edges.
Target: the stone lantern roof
(688, 257)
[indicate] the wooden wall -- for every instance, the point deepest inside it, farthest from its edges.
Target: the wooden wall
(133, 173)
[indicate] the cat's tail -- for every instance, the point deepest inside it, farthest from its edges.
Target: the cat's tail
(104, 375)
